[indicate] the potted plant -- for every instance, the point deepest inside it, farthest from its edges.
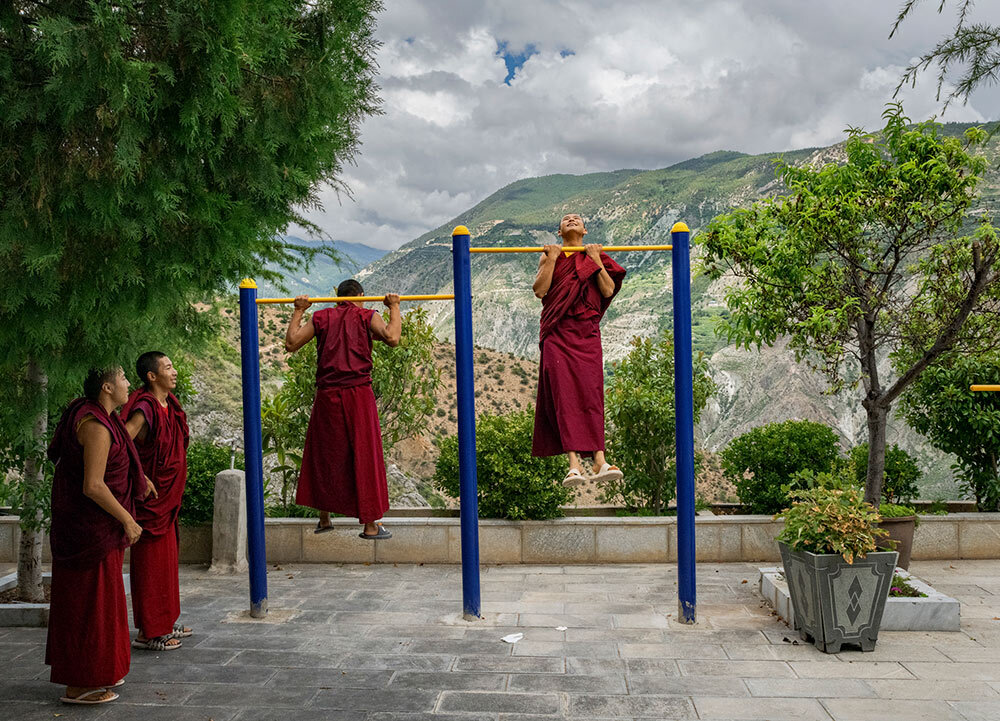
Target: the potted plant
(837, 580)
(899, 521)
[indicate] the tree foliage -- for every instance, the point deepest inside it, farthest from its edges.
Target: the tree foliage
(972, 51)
(765, 462)
(511, 482)
(940, 406)
(150, 155)
(873, 255)
(639, 411)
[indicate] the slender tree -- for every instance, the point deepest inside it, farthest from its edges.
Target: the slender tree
(873, 256)
(150, 154)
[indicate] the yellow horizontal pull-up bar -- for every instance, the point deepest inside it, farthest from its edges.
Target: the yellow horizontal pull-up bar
(354, 298)
(984, 388)
(570, 248)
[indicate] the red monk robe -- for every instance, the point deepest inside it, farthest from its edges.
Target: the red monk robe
(569, 409)
(342, 466)
(88, 638)
(153, 568)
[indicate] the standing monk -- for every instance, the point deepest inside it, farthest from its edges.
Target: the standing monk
(342, 466)
(576, 289)
(155, 419)
(97, 481)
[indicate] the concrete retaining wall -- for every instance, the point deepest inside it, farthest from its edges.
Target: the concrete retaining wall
(560, 541)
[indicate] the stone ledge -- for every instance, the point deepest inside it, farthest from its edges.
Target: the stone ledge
(936, 612)
(30, 614)
(587, 539)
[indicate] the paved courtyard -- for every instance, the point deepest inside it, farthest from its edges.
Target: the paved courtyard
(387, 643)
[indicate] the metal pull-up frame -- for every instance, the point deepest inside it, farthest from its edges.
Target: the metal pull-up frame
(465, 392)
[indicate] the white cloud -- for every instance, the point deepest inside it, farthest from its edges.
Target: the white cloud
(648, 84)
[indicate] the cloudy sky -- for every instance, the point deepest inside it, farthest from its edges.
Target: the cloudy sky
(479, 93)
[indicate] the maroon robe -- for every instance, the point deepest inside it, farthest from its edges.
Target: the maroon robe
(569, 409)
(153, 570)
(343, 470)
(88, 637)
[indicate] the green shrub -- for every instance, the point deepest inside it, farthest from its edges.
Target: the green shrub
(639, 404)
(512, 484)
(896, 510)
(204, 462)
(763, 462)
(899, 482)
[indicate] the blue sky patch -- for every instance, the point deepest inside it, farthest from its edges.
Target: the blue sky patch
(514, 61)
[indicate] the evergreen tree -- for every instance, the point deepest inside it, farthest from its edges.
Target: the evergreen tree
(972, 51)
(150, 153)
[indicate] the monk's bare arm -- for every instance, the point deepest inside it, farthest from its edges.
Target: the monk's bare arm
(392, 333)
(546, 264)
(604, 282)
(136, 425)
(299, 333)
(96, 442)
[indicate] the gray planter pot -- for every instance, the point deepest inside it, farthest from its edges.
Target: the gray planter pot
(836, 602)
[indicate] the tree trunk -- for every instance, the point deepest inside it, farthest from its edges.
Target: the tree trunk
(877, 415)
(29, 559)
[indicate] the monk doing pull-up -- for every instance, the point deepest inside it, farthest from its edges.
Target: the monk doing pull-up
(576, 289)
(342, 466)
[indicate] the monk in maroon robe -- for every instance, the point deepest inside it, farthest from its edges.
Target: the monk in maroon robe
(343, 470)
(157, 422)
(576, 289)
(97, 482)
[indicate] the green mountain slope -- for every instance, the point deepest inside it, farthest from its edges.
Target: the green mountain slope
(639, 207)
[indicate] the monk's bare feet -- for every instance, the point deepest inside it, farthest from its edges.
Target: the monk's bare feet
(371, 529)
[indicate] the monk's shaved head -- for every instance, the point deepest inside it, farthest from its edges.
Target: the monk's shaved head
(148, 362)
(350, 287)
(96, 378)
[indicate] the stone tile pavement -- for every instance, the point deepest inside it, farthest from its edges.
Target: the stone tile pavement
(387, 643)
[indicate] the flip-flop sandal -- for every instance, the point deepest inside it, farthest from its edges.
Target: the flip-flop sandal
(380, 536)
(181, 632)
(606, 473)
(85, 699)
(157, 644)
(120, 682)
(573, 478)
(320, 528)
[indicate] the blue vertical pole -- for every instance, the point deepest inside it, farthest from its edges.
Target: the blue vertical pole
(687, 605)
(465, 387)
(254, 455)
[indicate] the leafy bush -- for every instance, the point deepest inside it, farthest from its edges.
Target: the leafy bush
(899, 482)
(763, 462)
(827, 519)
(897, 510)
(204, 460)
(940, 407)
(512, 484)
(639, 407)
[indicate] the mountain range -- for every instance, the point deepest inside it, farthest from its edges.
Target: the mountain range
(637, 207)
(324, 275)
